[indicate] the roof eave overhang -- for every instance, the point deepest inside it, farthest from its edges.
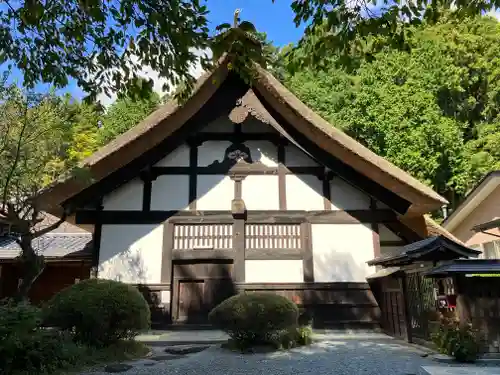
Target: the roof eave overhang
(473, 199)
(420, 198)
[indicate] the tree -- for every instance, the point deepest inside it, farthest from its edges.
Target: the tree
(125, 113)
(342, 26)
(432, 109)
(32, 132)
(103, 44)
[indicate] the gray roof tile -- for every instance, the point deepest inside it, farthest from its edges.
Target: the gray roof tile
(50, 245)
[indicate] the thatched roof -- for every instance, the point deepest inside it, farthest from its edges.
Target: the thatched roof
(170, 117)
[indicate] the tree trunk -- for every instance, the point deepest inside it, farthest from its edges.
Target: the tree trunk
(32, 265)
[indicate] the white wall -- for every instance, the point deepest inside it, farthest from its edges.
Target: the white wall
(261, 192)
(340, 252)
(264, 152)
(295, 157)
(211, 151)
(214, 192)
(126, 197)
(304, 192)
(131, 253)
(273, 271)
(344, 196)
(165, 296)
(170, 192)
(177, 158)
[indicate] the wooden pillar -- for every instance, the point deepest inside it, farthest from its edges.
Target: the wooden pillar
(96, 242)
(463, 301)
(406, 311)
(238, 210)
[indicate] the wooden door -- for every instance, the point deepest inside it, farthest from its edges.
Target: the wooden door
(191, 304)
(198, 286)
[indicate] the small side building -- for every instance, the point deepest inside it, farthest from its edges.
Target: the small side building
(476, 221)
(68, 254)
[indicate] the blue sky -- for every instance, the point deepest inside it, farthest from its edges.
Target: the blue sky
(276, 19)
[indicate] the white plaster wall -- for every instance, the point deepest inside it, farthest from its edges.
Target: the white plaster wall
(221, 125)
(261, 192)
(131, 253)
(304, 192)
(177, 158)
(385, 234)
(170, 192)
(263, 151)
(344, 196)
(214, 192)
(295, 157)
(126, 197)
(340, 252)
(211, 151)
(274, 271)
(165, 296)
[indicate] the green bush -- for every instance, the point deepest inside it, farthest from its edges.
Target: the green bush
(28, 348)
(99, 312)
(455, 340)
(255, 318)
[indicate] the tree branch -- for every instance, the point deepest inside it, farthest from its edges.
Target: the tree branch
(16, 159)
(50, 227)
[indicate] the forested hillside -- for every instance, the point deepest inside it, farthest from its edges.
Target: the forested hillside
(431, 107)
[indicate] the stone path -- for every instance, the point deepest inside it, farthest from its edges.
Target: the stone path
(462, 370)
(337, 353)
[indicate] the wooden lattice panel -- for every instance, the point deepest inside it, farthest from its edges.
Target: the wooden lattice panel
(203, 236)
(272, 236)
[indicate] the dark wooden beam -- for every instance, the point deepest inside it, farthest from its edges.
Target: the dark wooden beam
(327, 199)
(237, 136)
(307, 286)
(274, 254)
(193, 163)
(218, 217)
(375, 230)
(239, 249)
(96, 241)
(238, 169)
(308, 260)
(282, 171)
(146, 191)
(166, 260)
(208, 254)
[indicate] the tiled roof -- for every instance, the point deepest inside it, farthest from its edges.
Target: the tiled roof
(437, 245)
(51, 245)
(473, 266)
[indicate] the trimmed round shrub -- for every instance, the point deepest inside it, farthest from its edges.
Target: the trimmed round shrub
(254, 318)
(99, 312)
(27, 347)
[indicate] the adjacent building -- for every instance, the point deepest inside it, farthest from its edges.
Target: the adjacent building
(476, 220)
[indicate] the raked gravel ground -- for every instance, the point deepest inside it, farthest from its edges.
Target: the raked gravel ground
(335, 356)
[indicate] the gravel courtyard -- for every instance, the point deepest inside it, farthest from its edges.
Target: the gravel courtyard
(342, 355)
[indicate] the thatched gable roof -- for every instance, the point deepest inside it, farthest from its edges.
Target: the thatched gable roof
(171, 117)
